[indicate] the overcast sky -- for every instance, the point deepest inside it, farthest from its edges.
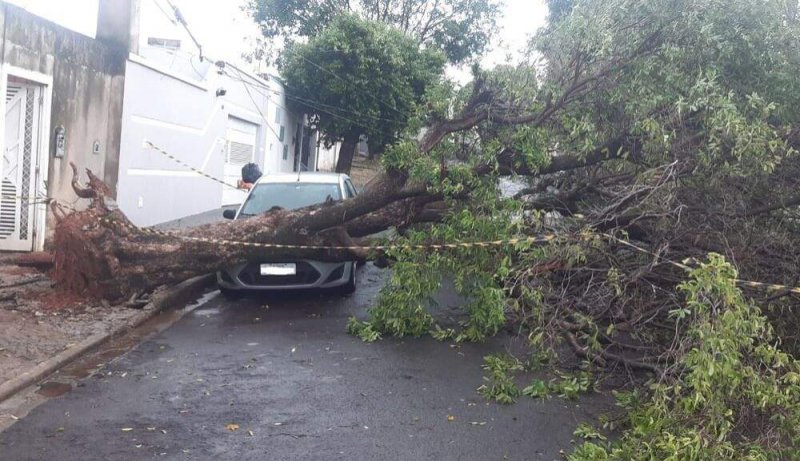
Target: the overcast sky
(225, 31)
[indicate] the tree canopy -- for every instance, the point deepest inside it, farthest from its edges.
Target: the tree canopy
(359, 78)
(461, 29)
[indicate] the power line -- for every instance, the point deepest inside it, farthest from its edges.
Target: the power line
(337, 75)
(311, 102)
(182, 20)
(169, 17)
(318, 105)
(258, 108)
(333, 114)
(375, 98)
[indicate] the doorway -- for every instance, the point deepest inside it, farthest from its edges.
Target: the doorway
(22, 175)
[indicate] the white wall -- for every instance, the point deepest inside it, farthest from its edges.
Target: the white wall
(183, 115)
(328, 157)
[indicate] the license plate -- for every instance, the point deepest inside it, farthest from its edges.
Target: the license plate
(279, 269)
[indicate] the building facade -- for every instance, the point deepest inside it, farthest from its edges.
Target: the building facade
(211, 117)
(96, 102)
(63, 98)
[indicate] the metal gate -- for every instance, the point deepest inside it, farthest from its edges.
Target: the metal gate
(19, 167)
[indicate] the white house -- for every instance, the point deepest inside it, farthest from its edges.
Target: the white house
(214, 117)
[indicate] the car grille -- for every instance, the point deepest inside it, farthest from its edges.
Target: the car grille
(306, 275)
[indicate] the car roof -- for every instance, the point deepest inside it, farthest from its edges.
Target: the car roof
(303, 177)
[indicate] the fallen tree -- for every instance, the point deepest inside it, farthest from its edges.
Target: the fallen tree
(659, 133)
(704, 164)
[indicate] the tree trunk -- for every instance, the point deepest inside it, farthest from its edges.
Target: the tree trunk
(346, 153)
(101, 254)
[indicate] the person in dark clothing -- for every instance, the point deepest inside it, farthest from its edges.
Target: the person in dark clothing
(250, 174)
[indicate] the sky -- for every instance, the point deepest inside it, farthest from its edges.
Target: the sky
(226, 32)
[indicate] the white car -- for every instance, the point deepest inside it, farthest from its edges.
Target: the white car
(290, 191)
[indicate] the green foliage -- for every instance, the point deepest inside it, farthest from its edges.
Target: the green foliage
(572, 386)
(537, 389)
(363, 330)
(588, 432)
(737, 396)
(461, 29)
(709, 91)
(499, 385)
(359, 78)
(402, 307)
(567, 386)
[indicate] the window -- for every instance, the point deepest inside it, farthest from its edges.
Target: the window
(278, 115)
(282, 133)
(351, 190)
(166, 43)
(288, 195)
(286, 152)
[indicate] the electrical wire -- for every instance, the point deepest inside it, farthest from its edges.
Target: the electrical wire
(314, 104)
(260, 112)
(372, 96)
(182, 20)
(335, 115)
(169, 17)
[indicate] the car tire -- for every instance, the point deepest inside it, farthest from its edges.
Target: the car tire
(230, 295)
(349, 287)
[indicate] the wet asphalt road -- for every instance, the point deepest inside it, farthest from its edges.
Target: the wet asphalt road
(297, 387)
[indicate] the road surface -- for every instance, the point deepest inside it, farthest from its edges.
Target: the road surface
(279, 378)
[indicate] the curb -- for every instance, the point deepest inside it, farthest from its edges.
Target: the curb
(170, 297)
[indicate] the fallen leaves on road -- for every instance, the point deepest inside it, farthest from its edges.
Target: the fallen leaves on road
(127, 429)
(250, 433)
(232, 427)
(451, 418)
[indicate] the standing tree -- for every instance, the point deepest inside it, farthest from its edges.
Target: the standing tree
(460, 28)
(386, 78)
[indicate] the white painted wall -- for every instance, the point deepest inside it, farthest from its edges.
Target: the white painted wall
(171, 100)
(327, 157)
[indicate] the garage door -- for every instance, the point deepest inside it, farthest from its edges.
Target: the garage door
(240, 149)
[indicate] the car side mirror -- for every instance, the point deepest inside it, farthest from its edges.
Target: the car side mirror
(229, 214)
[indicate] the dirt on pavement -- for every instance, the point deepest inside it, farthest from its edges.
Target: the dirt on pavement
(38, 322)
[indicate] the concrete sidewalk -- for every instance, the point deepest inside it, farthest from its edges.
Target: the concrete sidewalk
(42, 329)
(38, 323)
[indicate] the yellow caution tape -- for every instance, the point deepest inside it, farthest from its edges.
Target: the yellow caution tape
(161, 151)
(443, 246)
(745, 283)
(421, 246)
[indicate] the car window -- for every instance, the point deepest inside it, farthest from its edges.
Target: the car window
(288, 195)
(351, 190)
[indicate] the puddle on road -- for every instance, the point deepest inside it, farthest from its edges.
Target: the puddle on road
(53, 389)
(67, 378)
(206, 312)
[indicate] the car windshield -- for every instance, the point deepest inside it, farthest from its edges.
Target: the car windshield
(288, 195)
